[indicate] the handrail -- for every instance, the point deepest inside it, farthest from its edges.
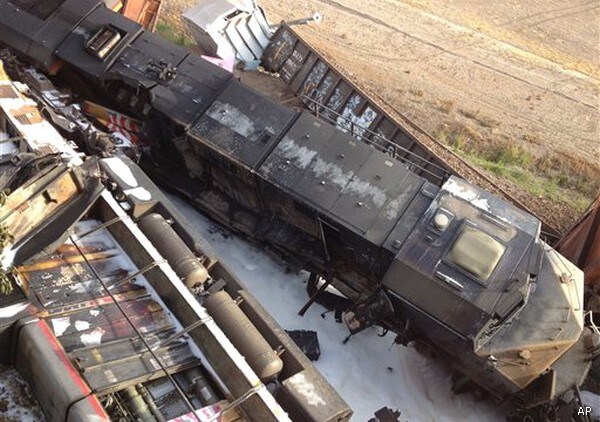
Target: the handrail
(391, 149)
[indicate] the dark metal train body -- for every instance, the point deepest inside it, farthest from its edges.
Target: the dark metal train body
(112, 307)
(453, 265)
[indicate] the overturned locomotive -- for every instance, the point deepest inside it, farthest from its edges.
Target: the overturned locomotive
(113, 308)
(451, 266)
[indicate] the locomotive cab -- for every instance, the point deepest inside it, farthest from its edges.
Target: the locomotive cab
(465, 276)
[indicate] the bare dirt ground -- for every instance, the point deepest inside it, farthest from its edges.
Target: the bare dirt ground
(521, 73)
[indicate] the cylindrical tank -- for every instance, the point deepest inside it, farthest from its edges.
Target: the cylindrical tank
(200, 387)
(244, 335)
(174, 250)
(137, 405)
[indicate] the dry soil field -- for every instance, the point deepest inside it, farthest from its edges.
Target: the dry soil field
(511, 86)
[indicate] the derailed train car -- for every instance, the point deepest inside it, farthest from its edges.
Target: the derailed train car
(120, 311)
(451, 266)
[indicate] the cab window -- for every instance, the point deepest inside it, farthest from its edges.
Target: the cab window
(476, 252)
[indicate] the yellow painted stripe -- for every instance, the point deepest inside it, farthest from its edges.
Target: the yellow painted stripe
(3, 75)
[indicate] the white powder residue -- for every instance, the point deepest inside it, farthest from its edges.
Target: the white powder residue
(300, 154)
(121, 170)
(82, 325)
(93, 338)
(60, 325)
(467, 193)
(12, 310)
(233, 118)
(331, 172)
(307, 390)
(392, 209)
(365, 189)
(140, 193)
(482, 204)
(459, 190)
(17, 403)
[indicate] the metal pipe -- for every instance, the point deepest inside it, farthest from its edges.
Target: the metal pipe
(315, 18)
(149, 400)
(314, 297)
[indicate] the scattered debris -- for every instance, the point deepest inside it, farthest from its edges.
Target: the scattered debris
(386, 415)
(307, 341)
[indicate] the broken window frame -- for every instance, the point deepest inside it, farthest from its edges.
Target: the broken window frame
(108, 45)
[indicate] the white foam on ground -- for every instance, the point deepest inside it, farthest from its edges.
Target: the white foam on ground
(12, 310)
(17, 404)
(367, 371)
(121, 170)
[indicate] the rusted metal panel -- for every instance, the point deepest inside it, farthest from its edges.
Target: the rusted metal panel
(141, 367)
(404, 140)
(29, 206)
(101, 337)
(104, 324)
(322, 93)
(292, 65)
(314, 78)
(419, 165)
(88, 357)
(418, 158)
(340, 96)
(385, 129)
(298, 80)
(280, 49)
(145, 12)
(581, 244)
